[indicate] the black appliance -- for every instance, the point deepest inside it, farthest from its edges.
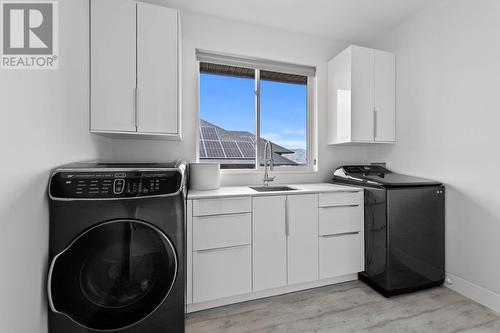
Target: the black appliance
(404, 228)
(116, 248)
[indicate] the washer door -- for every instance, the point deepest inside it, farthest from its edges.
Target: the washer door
(113, 275)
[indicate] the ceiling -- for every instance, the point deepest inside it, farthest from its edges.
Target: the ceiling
(348, 20)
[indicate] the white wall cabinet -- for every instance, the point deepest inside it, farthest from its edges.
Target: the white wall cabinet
(113, 65)
(361, 96)
(240, 248)
(134, 69)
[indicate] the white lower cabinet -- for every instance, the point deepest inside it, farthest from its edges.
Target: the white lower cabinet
(285, 240)
(302, 216)
(211, 232)
(340, 254)
(341, 247)
(219, 273)
(340, 219)
(265, 245)
(269, 242)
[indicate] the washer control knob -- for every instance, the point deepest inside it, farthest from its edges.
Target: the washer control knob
(118, 186)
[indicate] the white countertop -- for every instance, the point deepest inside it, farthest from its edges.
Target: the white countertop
(246, 191)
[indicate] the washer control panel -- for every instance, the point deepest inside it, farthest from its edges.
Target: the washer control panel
(104, 184)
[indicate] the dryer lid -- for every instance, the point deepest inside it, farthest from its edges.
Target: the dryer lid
(375, 175)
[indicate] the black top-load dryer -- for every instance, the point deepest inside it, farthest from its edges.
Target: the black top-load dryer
(404, 228)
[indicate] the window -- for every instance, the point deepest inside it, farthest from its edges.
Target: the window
(244, 103)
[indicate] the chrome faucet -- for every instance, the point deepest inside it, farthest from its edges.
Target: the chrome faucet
(268, 162)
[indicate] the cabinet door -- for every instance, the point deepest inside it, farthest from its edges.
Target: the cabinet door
(269, 242)
(220, 273)
(362, 94)
(157, 69)
(112, 55)
(302, 219)
(385, 100)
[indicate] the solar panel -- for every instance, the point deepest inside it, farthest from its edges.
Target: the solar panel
(247, 149)
(214, 149)
(217, 143)
(231, 149)
(202, 149)
(245, 138)
(209, 133)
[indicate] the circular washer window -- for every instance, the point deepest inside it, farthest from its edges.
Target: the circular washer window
(113, 275)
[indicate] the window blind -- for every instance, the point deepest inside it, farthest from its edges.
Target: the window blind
(257, 63)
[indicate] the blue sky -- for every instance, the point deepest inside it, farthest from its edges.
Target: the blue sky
(229, 102)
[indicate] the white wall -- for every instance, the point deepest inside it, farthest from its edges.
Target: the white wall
(209, 33)
(44, 124)
(448, 118)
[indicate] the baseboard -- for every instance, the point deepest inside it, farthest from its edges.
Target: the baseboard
(268, 293)
(476, 293)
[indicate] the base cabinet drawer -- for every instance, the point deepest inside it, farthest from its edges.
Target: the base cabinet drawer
(340, 219)
(217, 231)
(236, 205)
(342, 198)
(220, 273)
(340, 255)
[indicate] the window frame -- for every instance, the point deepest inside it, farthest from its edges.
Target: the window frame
(311, 126)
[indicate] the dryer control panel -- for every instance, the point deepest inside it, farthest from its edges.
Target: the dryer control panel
(114, 184)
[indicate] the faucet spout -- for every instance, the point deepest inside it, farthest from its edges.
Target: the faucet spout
(268, 162)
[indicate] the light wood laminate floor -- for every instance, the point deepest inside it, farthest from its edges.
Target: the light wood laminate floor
(350, 307)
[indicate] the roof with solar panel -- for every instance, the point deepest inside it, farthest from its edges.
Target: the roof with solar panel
(235, 147)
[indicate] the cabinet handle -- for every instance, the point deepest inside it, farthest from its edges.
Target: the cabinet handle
(341, 234)
(201, 217)
(349, 191)
(340, 206)
(222, 248)
(374, 124)
(135, 107)
(287, 227)
(137, 93)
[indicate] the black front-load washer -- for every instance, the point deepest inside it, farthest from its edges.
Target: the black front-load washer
(116, 248)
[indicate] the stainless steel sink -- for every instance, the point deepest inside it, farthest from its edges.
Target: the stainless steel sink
(272, 188)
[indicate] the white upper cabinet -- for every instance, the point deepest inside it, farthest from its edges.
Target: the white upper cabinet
(361, 96)
(134, 69)
(157, 75)
(385, 100)
(113, 67)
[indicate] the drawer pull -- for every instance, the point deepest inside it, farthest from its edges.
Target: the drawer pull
(222, 248)
(341, 234)
(340, 206)
(225, 214)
